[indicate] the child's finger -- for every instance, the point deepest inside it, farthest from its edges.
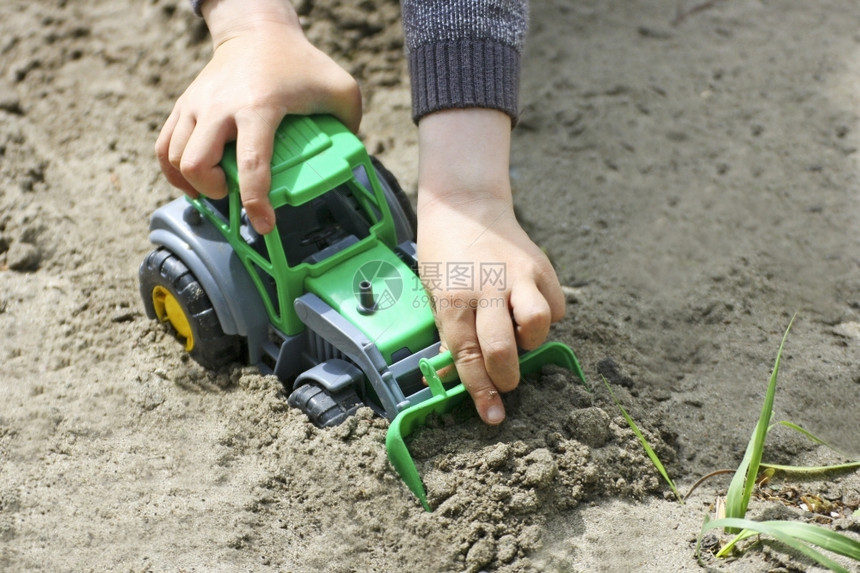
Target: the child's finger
(532, 314)
(202, 157)
(458, 331)
(254, 142)
(182, 131)
(162, 152)
(174, 176)
(550, 288)
(495, 333)
(162, 146)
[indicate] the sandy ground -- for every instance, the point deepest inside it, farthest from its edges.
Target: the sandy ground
(695, 181)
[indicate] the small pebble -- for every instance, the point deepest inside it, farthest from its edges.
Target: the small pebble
(481, 553)
(23, 257)
(9, 100)
(540, 469)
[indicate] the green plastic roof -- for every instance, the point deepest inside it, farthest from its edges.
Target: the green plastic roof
(310, 157)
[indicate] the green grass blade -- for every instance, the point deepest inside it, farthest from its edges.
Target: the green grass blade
(648, 449)
(809, 435)
(741, 487)
(809, 469)
(735, 494)
(806, 470)
(699, 540)
(796, 535)
(803, 431)
(822, 537)
(745, 533)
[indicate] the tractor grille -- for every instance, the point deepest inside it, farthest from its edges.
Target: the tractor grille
(321, 349)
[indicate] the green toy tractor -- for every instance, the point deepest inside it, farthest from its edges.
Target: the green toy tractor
(329, 302)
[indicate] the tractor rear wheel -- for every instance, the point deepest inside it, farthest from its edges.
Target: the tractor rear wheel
(175, 297)
(405, 221)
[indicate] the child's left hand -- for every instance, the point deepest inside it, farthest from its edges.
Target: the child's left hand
(262, 68)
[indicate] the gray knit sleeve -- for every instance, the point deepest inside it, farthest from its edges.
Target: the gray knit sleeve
(464, 53)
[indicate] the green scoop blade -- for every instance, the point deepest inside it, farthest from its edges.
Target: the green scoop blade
(443, 401)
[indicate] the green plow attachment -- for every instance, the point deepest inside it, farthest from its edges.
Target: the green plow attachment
(443, 401)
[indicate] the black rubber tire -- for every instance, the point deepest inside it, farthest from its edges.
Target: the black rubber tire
(212, 348)
(398, 201)
(321, 407)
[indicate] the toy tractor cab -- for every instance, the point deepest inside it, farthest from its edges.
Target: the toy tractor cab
(329, 302)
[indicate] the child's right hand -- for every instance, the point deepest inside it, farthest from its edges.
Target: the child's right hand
(466, 226)
(262, 68)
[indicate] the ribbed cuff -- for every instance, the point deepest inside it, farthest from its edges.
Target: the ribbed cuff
(464, 73)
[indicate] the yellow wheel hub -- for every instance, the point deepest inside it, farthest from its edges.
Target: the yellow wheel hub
(168, 309)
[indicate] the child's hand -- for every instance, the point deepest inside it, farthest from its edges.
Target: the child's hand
(466, 224)
(262, 68)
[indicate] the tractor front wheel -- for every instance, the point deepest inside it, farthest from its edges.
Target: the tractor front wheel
(323, 408)
(174, 296)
